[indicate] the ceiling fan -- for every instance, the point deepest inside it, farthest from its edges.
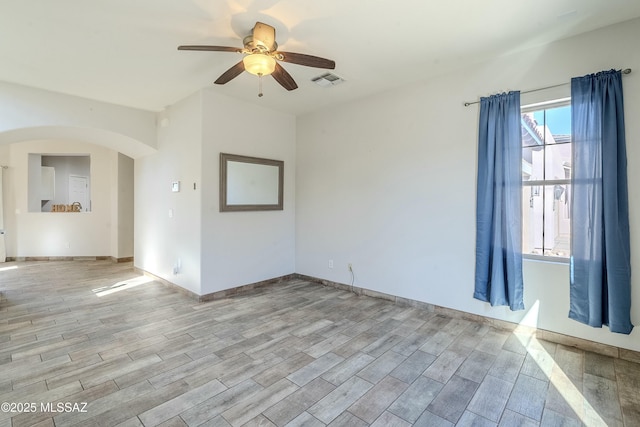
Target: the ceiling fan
(261, 56)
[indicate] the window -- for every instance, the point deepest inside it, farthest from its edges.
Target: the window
(546, 180)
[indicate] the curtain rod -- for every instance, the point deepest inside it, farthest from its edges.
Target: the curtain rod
(625, 71)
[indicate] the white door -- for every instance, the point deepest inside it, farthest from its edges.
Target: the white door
(79, 191)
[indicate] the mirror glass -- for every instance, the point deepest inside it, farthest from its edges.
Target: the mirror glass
(250, 183)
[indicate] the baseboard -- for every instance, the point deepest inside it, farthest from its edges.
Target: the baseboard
(555, 337)
(58, 258)
(69, 258)
(226, 293)
(168, 284)
(245, 288)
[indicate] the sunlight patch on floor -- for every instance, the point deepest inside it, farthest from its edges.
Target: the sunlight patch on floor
(574, 398)
(13, 267)
(121, 286)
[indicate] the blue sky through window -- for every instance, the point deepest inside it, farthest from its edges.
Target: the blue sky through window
(558, 120)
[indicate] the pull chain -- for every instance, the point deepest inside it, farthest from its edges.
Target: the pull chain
(259, 85)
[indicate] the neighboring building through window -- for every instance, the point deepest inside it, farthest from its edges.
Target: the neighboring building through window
(546, 180)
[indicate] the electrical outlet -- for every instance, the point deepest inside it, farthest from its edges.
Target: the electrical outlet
(350, 267)
(330, 263)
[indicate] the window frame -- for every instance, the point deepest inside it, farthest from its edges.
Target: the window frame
(547, 105)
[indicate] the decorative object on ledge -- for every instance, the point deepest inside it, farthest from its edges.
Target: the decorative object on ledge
(250, 183)
(74, 207)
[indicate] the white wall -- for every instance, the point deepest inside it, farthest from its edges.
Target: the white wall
(4, 190)
(34, 182)
(215, 251)
(30, 114)
(163, 242)
(33, 234)
(124, 198)
(387, 183)
(239, 248)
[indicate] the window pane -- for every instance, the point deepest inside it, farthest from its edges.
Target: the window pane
(532, 125)
(558, 161)
(533, 163)
(557, 223)
(546, 224)
(557, 122)
(532, 225)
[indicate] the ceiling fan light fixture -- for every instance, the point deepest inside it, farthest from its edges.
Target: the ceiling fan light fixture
(259, 64)
(262, 58)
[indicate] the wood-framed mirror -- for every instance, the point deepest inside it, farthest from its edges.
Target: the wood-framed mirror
(250, 183)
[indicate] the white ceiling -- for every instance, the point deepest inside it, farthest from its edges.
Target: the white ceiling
(124, 51)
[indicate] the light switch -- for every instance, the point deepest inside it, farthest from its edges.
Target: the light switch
(170, 213)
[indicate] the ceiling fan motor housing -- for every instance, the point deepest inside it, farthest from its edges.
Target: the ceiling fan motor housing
(253, 46)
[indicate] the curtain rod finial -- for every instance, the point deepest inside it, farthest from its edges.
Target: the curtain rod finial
(626, 71)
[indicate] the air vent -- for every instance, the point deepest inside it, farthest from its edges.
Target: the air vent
(327, 79)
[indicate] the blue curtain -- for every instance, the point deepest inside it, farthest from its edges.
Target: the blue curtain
(600, 292)
(499, 202)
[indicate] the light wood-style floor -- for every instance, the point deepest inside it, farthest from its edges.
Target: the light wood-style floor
(72, 332)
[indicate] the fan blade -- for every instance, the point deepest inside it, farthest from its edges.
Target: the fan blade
(264, 35)
(284, 78)
(210, 48)
(308, 60)
(230, 74)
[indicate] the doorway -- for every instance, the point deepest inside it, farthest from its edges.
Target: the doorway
(79, 191)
